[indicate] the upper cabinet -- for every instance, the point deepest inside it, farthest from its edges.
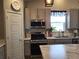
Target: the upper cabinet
(37, 14)
(33, 13)
(73, 19)
(27, 18)
(41, 13)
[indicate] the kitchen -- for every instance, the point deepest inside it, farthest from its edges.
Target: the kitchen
(35, 11)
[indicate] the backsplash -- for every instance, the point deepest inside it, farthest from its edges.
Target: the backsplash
(60, 34)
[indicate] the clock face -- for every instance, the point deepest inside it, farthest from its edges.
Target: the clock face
(16, 5)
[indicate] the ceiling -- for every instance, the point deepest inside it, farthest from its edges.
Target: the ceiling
(28, 0)
(58, 4)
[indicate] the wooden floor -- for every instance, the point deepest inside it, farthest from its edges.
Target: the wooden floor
(69, 51)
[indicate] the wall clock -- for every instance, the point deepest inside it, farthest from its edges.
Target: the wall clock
(16, 5)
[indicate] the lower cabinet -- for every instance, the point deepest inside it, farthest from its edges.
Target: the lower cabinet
(31, 50)
(2, 52)
(27, 48)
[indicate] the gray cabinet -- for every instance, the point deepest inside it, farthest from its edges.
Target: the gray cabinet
(73, 18)
(27, 17)
(27, 48)
(2, 52)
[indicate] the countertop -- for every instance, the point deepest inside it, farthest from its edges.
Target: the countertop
(53, 40)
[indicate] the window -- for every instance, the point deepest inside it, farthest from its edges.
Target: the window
(58, 20)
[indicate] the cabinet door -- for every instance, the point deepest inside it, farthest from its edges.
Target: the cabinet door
(27, 18)
(2, 52)
(27, 48)
(14, 35)
(74, 17)
(33, 13)
(41, 14)
(37, 13)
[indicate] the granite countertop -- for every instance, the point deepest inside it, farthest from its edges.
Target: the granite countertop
(2, 42)
(53, 40)
(56, 38)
